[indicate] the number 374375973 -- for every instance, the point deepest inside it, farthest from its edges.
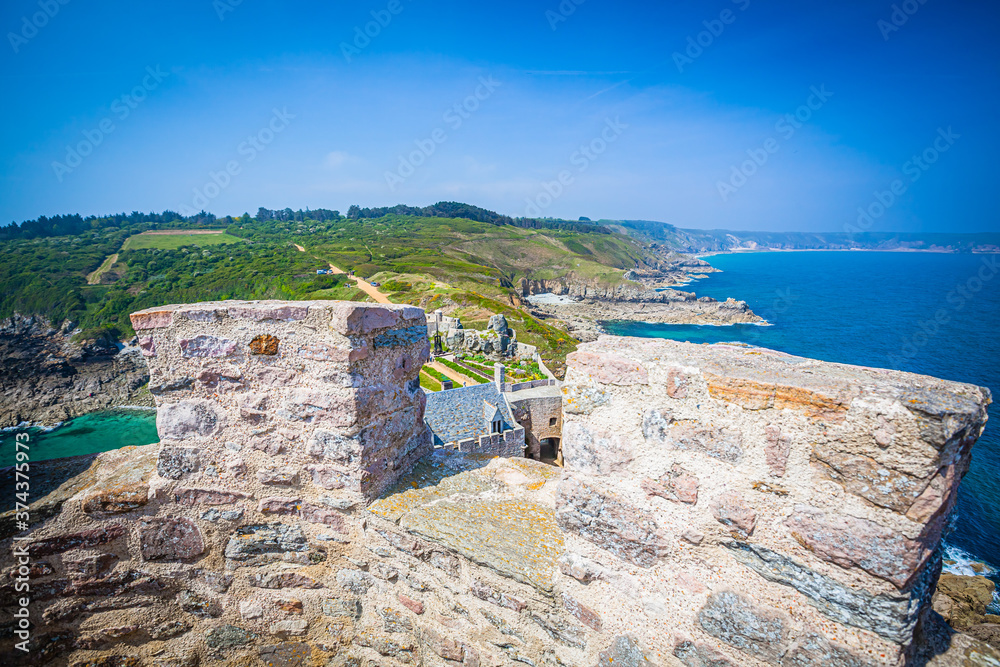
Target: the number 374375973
(21, 485)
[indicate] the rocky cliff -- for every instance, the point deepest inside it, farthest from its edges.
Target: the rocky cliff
(46, 377)
(720, 506)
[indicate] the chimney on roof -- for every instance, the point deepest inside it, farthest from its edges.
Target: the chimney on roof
(499, 375)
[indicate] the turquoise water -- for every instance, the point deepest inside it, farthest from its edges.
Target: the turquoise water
(878, 309)
(89, 434)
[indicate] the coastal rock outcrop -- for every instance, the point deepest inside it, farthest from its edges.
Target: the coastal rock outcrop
(46, 377)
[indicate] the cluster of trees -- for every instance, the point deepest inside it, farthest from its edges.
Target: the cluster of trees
(47, 276)
(75, 224)
(287, 214)
(451, 209)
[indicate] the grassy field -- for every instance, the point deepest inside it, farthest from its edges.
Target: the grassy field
(162, 241)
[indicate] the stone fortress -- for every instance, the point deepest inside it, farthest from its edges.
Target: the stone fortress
(719, 506)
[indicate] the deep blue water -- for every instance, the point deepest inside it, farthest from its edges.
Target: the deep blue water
(877, 309)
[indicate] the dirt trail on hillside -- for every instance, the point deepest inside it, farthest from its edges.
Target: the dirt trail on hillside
(362, 284)
(365, 286)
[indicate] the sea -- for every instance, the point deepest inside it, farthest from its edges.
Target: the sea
(88, 434)
(936, 314)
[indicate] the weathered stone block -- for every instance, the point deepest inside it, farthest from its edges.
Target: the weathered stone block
(151, 318)
(814, 650)
(207, 346)
(148, 346)
(333, 447)
(174, 462)
(228, 636)
(777, 450)
(287, 654)
(628, 532)
(852, 542)
(608, 368)
(697, 654)
(265, 344)
(583, 399)
(441, 645)
(623, 652)
(199, 605)
(678, 485)
(186, 496)
(329, 477)
(561, 631)
(415, 606)
(87, 539)
(734, 619)
(280, 476)
(731, 510)
(893, 617)
(339, 608)
(660, 428)
(86, 566)
(488, 594)
(584, 614)
(355, 581)
(754, 394)
(593, 451)
(262, 539)
(172, 538)
(277, 580)
(867, 478)
(196, 417)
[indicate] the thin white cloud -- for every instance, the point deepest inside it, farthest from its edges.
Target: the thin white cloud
(337, 159)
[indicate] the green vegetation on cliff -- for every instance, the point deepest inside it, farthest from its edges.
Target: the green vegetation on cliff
(471, 264)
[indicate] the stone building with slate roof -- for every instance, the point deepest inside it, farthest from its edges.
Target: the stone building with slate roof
(474, 419)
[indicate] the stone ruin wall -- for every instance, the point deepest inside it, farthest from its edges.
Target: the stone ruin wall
(720, 507)
(785, 511)
(535, 415)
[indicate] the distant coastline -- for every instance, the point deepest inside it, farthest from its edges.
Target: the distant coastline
(746, 251)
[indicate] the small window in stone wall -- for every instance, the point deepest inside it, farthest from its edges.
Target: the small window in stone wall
(497, 425)
(552, 421)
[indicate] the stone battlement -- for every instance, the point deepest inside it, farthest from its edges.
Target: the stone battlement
(803, 497)
(720, 506)
(324, 390)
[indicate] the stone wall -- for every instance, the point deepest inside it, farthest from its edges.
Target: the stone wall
(539, 411)
(323, 392)
(713, 511)
(776, 510)
(508, 444)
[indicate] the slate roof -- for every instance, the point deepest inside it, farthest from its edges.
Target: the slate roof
(457, 414)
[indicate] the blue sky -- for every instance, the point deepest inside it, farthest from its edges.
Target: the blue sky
(570, 110)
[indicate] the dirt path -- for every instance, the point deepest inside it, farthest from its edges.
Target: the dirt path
(457, 377)
(365, 287)
(362, 284)
(94, 278)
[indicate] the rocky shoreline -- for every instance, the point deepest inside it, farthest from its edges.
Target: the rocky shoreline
(584, 318)
(47, 378)
(648, 296)
(964, 601)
